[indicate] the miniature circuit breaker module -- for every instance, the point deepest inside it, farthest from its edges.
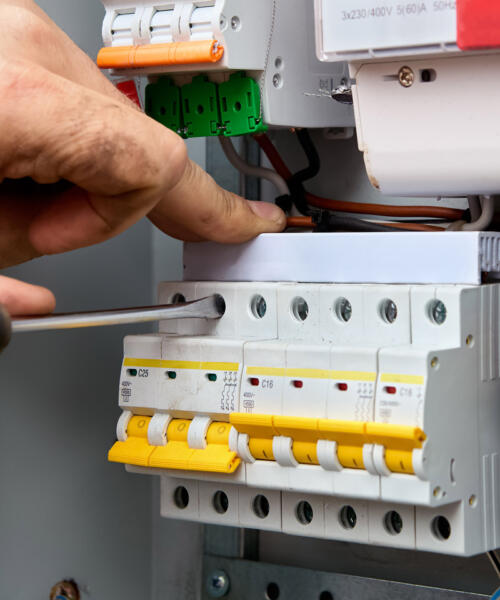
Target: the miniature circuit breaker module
(353, 399)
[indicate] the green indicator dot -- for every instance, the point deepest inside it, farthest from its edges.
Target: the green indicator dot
(171, 374)
(132, 372)
(211, 377)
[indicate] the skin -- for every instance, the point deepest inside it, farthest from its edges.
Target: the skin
(79, 163)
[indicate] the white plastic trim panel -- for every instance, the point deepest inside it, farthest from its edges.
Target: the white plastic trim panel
(161, 23)
(121, 426)
(379, 460)
(243, 450)
(157, 430)
(327, 455)
(233, 440)
(368, 459)
(197, 432)
(122, 23)
(282, 451)
(399, 157)
(372, 258)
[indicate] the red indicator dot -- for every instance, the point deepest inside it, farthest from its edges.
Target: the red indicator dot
(342, 387)
(254, 381)
(390, 389)
(297, 383)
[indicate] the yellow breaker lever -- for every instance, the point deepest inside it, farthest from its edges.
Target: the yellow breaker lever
(399, 441)
(216, 457)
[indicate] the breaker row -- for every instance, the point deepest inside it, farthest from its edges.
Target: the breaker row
(203, 445)
(185, 36)
(350, 315)
(345, 519)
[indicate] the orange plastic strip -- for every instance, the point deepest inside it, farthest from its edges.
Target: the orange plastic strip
(158, 55)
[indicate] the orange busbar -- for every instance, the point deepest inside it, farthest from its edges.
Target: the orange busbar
(157, 55)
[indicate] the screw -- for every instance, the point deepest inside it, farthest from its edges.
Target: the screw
(389, 311)
(438, 312)
(406, 77)
(277, 80)
(217, 584)
(343, 308)
(258, 307)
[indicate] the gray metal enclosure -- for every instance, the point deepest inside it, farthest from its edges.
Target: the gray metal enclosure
(66, 512)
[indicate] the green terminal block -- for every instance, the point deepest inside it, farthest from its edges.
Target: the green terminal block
(163, 103)
(239, 100)
(200, 108)
(204, 109)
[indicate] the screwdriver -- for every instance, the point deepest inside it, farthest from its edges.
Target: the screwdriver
(211, 307)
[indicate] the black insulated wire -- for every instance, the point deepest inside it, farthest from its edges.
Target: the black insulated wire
(295, 183)
(312, 155)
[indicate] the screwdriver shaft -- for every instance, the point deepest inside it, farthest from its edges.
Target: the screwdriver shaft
(211, 307)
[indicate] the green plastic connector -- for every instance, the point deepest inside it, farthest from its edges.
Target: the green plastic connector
(163, 103)
(239, 100)
(204, 109)
(200, 108)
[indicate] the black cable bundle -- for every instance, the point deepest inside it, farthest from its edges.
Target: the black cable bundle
(296, 181)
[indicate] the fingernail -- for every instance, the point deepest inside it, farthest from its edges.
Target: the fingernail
(268, 211)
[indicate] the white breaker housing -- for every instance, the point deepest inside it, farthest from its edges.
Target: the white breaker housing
(377, 364)
(272, 40)
(436, 133)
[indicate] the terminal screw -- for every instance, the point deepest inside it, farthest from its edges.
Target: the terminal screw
(406, 77)
(437, 312)
(217, 584)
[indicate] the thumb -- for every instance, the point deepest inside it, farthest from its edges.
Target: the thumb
(21, 298)
(198, 205)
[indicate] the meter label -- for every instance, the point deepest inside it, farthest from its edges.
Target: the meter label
(361, 25)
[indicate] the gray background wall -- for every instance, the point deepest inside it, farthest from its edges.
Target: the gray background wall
(64, 510)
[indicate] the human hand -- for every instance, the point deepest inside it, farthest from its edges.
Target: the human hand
(63, 121)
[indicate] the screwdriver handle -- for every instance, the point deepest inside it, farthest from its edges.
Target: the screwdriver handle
(5, 328)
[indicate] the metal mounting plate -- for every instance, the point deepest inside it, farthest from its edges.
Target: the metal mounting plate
(249, 580)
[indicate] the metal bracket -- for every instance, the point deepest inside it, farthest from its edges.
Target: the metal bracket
(240, 579)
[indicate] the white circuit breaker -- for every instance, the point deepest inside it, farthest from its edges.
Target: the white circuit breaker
(356, 412)
(271, 41)
(417, 67)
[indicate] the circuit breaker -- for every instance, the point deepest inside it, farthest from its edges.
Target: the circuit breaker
(224, 67)
(356, 412)
(352, 399)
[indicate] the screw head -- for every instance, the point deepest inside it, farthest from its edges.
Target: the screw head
(388, 311)
(343, 309)
(437, 312)
(406, 77)
(277, 81)
(218, 584)
(258, 306)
